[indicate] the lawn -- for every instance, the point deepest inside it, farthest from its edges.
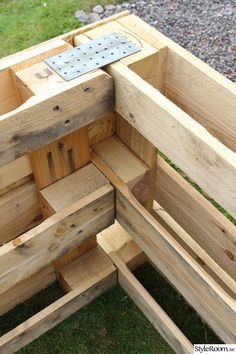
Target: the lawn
(112, 324)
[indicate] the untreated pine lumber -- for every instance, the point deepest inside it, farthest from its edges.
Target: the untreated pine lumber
(194, 86)
(174, 132)
(67, 229)
(212, 302)
(196, 215)
(159, 319)
(116, 239)
(66, 192)
(19, 211)
(94, 279)
(43, 119)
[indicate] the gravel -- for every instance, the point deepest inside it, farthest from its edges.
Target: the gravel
(204, 27)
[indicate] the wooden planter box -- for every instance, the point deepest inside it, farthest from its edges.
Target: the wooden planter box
(76, 156)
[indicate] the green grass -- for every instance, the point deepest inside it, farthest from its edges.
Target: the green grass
(24, 23)
(111, 324)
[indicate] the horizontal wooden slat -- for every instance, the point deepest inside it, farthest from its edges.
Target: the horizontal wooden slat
(44, 118)
(198, 89)
(159, 319)
(19, 211)
(208, 162)
(14, 171)
(212, 302)
(204, 223)
(90, 288)
(23, 290)
(67, 229)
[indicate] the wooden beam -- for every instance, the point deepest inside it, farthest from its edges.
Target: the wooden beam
(116, 239)
(25, 289)
(19, 211)
(212, 302)
(14, 171)
(182, 139)
(194, 86)
(47, 118)
(67, 229)
(159, 319)
(88, 265)
(93, 284)
(206, 225)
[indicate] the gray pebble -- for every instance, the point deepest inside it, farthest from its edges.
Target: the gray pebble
(99, 9)
(203, 27)
(81, 16)
(110, 8)
(93, 17)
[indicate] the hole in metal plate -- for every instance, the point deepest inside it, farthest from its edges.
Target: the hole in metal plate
(92, 55)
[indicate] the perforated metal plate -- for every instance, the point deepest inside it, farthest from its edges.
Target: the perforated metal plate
(92, 55)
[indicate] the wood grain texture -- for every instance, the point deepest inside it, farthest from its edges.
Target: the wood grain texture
(67, 229)
(42, 119)
(15, 171)
(19, 211)
(206, 225)
(74, 187)
(182, 139)
(90, 289)
(89, 265)
(158, 318)
(60, 158)
(23, 290)
(211, 301)
(198, 89)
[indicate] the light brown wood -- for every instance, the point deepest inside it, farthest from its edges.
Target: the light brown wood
(159, 319)
(175, 133)
(101, 129)
(88, 265)
(23, 290)
(60, 158)
(74, 187)
(19, 211)
(197, 88)
(212, 302)
(116, 239)
(93, 283)
(14, 171)
(148, 63)
(67, 229)
(127, 166)
(47, 118)
(204, 223)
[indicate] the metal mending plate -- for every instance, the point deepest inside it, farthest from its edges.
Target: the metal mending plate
(92, 55)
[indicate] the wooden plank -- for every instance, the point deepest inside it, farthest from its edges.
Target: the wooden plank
(19, 211)
(93, 286)
(206, 225)
(159, 319)
(23, 290)
(148, 64)
(101, 129)
(116, 239)
(133, 172)
(212, 302)
(181, 138)
(195, 250)
(58, 159)
(197, 88)
(42, 119)
(67, 229)
(14, 171)
(74, 187)
(88, 265)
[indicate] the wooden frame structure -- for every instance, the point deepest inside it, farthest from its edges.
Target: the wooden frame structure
(76, 156)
